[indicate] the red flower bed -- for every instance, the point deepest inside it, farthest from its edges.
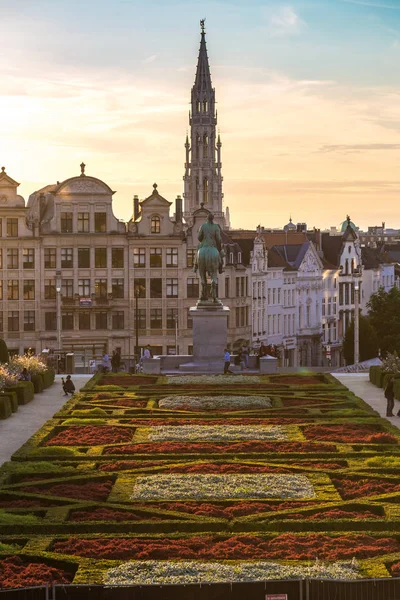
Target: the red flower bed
(332, 515)
(127, 380)
(283, 547)
(395, 569)
(25, 503)
(79, 491)
(301, 402)
(357, 488)
(223, 511)
(348, 434)
(298, 380)
(91, 435)
(220, 448)
(161, 422)
(193, 468)
(131, 403)
(107, 514)
(17, 573)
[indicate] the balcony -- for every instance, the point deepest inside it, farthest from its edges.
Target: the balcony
(91, 301)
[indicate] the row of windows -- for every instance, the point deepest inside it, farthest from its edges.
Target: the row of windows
(13, 288)
(13, 258)
(346, 293)
(84, 258)
(328, 307)
(156, 257)
(85, 320)
(83, 222)
(67, 288)
(13, 320)
(171, 287)
(11, 227)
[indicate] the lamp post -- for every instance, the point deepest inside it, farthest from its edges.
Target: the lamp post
(176, 335)
(137, 294)
(58, 308)
(356, 275)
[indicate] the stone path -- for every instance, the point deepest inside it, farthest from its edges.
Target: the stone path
(18, 428)
(359, 384)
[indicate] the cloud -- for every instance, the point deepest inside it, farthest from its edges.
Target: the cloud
(347, 148)
(149, 59)
(283, 21)
(373, 4)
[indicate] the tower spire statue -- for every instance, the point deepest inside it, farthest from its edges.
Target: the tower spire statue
(203, 178)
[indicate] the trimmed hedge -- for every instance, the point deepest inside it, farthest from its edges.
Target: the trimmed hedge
(13, 399)
(48, 377)
(25, 391)
(376, 375)
(5, 407)
(38, 382)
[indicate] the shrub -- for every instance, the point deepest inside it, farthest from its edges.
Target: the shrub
(4, 357)
(375, 374)
(8, 376)
(48, 377)
(5, 407)
(38, 383)
(33, 364)
(90, 412)
(391, 363)
(397, 389)
(25, 391)
(13, 400)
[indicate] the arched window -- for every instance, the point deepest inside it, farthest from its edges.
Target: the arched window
(205, 191)
(352, 265)
(155, 224)
(197, 191)
(205, 146)
(346, 271)
(198, 106)
(205, 106)
(198, 142)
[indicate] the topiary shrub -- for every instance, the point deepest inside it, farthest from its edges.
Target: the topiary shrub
(25, 391)
(48, 377)
(13, 400)
(38, 383)
(5, 407)
(4, 356)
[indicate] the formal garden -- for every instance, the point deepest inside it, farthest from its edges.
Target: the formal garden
(144, 479)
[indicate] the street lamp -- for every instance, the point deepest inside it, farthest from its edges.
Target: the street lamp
(356, 275)
(137, 294)
(58, 298)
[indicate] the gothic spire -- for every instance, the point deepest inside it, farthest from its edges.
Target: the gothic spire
(203, 75)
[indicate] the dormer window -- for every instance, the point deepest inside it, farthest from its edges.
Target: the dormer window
(155, 224)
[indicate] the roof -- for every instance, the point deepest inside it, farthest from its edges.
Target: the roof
(370, 258)
(203, 76)
(293, 254)
(331, 247)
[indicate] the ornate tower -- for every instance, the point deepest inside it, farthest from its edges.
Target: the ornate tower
(203, 179)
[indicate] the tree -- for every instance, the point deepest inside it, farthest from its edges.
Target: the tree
(4, 358)
(368, 341)
(384, 316)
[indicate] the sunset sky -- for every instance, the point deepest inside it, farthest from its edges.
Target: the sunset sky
(308, 96)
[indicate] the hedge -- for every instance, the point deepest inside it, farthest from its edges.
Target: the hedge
(48, 378)
(376, 375)
(13, 399)
(25, 391)
(5, 407)
(38, 382)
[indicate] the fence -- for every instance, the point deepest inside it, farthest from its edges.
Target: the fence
(295, 589)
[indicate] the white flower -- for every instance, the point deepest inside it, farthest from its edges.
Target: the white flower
(215, 402)
(224, 486)
(215, 433)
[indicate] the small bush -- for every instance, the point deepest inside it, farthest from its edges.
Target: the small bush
(48, 378)
(5, 407)
(25, 391)
(53, 451)
(90, 412)
(38, 383)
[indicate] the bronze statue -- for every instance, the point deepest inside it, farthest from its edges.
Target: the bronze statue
(209, 258)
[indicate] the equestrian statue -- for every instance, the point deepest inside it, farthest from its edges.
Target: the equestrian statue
(209, 259)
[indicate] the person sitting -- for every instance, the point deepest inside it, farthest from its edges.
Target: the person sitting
(24, 376)
(68, 385)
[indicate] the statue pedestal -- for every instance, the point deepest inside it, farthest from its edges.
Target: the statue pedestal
(210, 332)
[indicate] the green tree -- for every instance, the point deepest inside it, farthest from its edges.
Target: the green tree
(4, 358)
(368, 341)
(384, 316)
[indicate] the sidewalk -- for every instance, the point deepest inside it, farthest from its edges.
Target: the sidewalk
(359, 384)
(18, 428)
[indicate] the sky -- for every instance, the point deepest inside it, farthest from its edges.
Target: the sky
(308, 99)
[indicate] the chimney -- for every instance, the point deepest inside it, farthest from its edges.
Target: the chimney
(136, 208)
(178, 209)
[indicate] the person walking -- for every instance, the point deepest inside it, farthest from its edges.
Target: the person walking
(227, 361)
(389, 395)
(68, 386)
(245, 355)
(105, 363)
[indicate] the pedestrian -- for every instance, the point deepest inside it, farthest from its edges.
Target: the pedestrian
(227, 361)
(118, 359)
(105, 363)
(389, 395)
(245, 355)
(24, 376)
(68, 385)
(147, 352)
(114, 361)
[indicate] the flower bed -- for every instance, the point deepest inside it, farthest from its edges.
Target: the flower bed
(301, 380)
(184, 572)
(200, 403)
(108, 514)
(217, 467)
(331, 515)
(17, 573)
(302, 401)
(130, 403)
(127, 380)
(215, 433)
(349, 434)
(200, 486)
(82, 491)
(357, 488)
(213, 380)
(228, 448)
(212, 421)
(91, 435)
(282, 547)
(226, 511)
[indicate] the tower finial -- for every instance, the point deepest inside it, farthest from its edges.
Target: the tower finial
(203, 25)
(82, 165)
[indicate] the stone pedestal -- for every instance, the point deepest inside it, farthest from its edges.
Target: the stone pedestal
(152, 365)
(210, 332)
(268, 364)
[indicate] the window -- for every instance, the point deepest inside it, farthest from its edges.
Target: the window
(155, 224)
(1, 289)
(84, 287)
(50, 321)
(29, 289)
(155, 318)
(155, 288)
(118, 321)
(172, 257)
(139, 257)
(117, 258)
(67, 321)
(67, 260)
(28, 258)
(83, 222)
(12, 258)
(29, 320)
(13, 320)
(117, 287)
(155, 257)
(1, 227)
(101, 320)
(100, 222)
(100, 258)
(329, 307)
(172, 288)
(67, 288)
(226, 287)
(84, 258)
(140, 287)
(49, 289)
(172, 316)
(308, 315)
(189, 319)
(192, 287)
(141, 318)
(13, 289)
(49, 258)
(84, 320)
(323, 307)
(237, 287)
(12, 227)
(66, 222)
(1, 256)
(100, 288)
(190, 257)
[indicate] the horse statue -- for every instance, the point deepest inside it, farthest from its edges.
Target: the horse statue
(209, 260)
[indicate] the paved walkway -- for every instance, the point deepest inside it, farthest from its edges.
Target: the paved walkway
(18, 428)
(359, 384)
